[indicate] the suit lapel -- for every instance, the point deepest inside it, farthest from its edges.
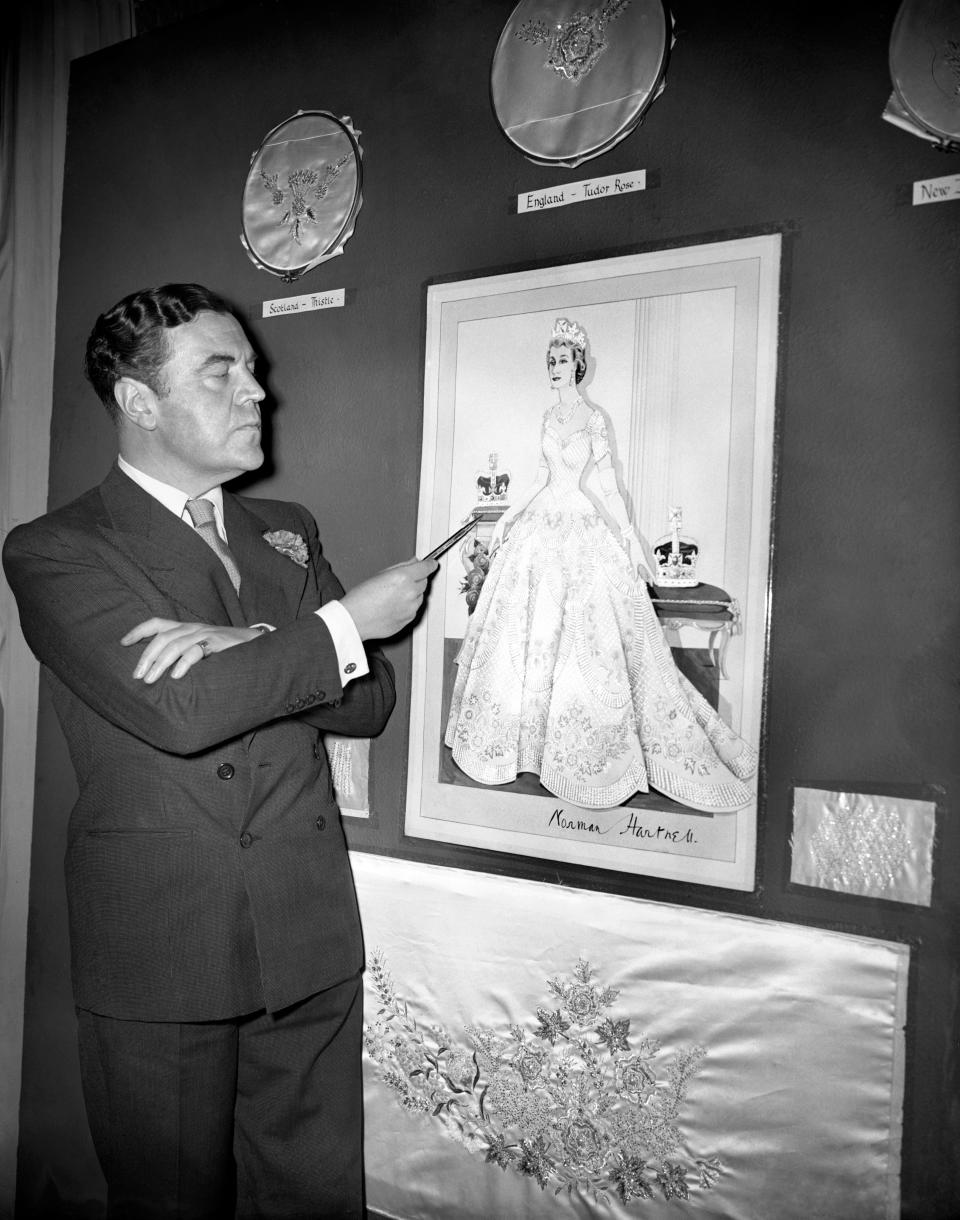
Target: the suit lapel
(172, 555)
(271, 585)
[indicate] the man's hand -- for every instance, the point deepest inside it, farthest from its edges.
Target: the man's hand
(180, 645)
(384, 604)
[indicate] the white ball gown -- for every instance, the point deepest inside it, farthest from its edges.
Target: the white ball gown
(564, 670)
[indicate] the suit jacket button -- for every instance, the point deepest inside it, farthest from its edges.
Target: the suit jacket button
(226, 771)
(321, 822)
(246, 839)
(321, 694)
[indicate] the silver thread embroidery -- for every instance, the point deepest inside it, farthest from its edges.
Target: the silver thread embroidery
(574, 47)
(862, 843)
(300, 211)
(570, 1103)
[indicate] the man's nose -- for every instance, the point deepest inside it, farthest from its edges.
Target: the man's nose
(250, 390)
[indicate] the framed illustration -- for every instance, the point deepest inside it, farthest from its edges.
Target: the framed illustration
(588, 677)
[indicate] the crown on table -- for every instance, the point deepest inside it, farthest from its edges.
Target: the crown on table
(492, 484)
(568, 332)
(676, 555)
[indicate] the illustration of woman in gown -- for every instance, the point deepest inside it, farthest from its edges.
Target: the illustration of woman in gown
(564, 670)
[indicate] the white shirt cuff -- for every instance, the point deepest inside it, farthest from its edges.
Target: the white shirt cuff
(351, 657)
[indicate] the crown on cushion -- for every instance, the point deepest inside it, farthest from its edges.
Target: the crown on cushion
(676, 556)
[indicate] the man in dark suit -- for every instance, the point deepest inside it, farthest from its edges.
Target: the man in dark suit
(196, 644)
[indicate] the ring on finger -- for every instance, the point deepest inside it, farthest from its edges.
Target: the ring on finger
(204, 646)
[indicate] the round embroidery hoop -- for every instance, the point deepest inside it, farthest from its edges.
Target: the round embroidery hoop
(925, 67)
(302, 193)
(567, 83)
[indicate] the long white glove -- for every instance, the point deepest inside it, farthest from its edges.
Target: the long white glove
(499, 530)
(618, 511)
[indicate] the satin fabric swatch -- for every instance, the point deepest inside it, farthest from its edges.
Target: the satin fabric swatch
(349, 759)
(772, 1054)
(858, 843)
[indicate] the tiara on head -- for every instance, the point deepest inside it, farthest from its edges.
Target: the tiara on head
(568, 332)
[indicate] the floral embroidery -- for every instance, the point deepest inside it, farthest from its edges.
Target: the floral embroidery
(630, 1178)
(291, 545)
(570, 1104)
(575, 46)
(581, 748)
(300, 182)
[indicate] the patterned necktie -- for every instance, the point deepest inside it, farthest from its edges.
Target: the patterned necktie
(203, 517)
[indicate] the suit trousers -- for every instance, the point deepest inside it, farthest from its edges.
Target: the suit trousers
(257, 1116)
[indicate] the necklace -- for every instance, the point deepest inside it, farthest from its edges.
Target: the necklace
(565, 419)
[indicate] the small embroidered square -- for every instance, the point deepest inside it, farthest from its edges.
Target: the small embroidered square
(858, 843)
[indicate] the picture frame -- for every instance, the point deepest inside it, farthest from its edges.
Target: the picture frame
(682, 364)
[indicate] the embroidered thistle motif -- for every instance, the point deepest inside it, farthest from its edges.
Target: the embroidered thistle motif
(574, 46)
(300, 212)
(570, 1104)
(291, 545)
(331, 172)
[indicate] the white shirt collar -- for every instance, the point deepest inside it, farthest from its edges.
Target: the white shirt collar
(172, 497)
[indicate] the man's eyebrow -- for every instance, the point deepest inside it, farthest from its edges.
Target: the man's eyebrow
(227, 358)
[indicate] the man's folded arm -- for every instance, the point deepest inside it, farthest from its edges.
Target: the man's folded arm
(76, 603)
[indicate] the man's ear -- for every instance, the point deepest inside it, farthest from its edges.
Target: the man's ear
(137, 403)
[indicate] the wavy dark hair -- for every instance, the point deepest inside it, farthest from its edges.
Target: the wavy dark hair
(130, 339)
(578, 352)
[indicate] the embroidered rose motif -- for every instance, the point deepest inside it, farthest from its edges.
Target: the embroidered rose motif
(582, 1144)
(289, 544)
(635, 1079)
(529, 1063)
(576, 47)
(582, 1003)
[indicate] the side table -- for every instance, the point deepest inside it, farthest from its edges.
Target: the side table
(705, 607)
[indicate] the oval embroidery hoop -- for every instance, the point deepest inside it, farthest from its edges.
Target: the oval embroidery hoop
(925, 68)
(302, 194)
(569, 82)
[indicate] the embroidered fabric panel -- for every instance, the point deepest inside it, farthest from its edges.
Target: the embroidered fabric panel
(349, 759)
(540, 1051)
(857, 843)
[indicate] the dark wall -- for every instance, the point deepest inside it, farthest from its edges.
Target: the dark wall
(770, 119)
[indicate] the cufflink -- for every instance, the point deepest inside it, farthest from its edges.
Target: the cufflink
(349, 668)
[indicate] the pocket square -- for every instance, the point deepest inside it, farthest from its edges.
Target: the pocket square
(291, 545)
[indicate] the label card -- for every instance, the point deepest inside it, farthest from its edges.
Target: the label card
(332, 299)
(937, 190)
(582, 192)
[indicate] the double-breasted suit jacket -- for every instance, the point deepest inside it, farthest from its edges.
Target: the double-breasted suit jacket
(207, 874)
